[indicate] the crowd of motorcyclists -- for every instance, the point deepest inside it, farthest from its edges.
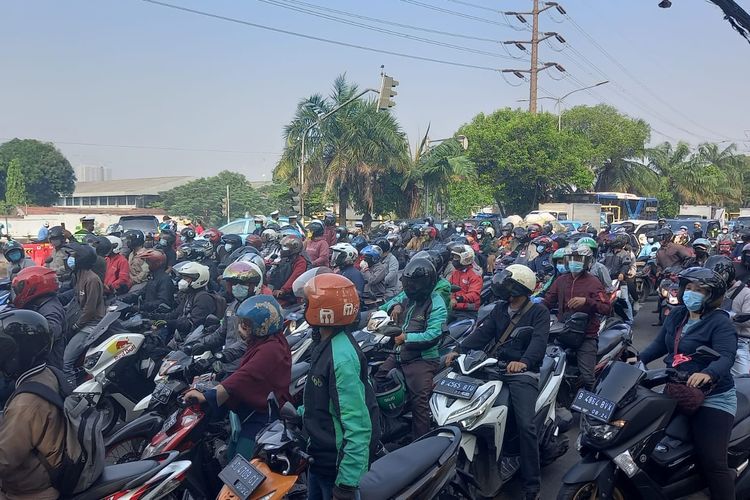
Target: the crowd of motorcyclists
(423, 274)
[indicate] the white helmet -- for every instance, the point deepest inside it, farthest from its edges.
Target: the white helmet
(116, 243)
(490, 231)
(464, 253)
(269, 235)
(523, 275)
(343, 253)
(197, 272)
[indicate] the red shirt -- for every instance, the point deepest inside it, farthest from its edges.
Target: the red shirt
(118, 272)
(318, 251)
(469, 298)
(329, 234)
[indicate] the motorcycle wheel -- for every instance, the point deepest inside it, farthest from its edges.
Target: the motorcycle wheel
(645, 291)
(587, 491)
(109, 411)
(126, 451)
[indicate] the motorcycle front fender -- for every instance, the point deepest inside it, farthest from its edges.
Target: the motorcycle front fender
(92, 386)
(589, 471)
(145, 425)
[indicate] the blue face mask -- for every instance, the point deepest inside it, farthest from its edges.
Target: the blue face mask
(575, 266)
(71, 262)
(693, 300)
(540, 248)
(561, 268)
(240, 292)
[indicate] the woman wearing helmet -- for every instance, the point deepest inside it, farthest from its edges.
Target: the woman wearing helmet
(291, 264)
(580, 291)
(340, 417)
(329, 231)
(374, 272)
(117, 275)
(701, 322)
(316, 245)
(134, 239)
(265, 368)
(89, 291)
(343, 257)
(16, 257)
(466, 300)
(421, 313)
(524, 356)
(35, 288)
(392, 283)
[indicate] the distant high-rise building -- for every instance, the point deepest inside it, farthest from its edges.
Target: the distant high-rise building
(86, 173)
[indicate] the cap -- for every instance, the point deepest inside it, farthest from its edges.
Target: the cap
(292, 217)
(683, 227)
(87, 218)
(275, 212)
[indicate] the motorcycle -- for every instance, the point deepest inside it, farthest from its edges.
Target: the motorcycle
(634, 443)
(645, 278)
(669, 288)
(474, 397)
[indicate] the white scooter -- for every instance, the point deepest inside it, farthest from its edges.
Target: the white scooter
(474, 397)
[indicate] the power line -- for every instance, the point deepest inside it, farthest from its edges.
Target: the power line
(160, 148)
(430, 41)
(318, 39)
(474, 5)
(454, 13)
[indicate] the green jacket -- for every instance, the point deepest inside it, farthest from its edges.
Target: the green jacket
(422, 324)
(442, 288)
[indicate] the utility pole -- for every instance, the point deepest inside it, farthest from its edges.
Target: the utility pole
(534, 69)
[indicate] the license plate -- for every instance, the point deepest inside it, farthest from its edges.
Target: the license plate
(594, 405)
(170, 422)
(456, 388)
(242, 477)
(162, 392)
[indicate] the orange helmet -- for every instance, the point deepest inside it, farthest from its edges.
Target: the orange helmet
(332, 300)
(154, 258)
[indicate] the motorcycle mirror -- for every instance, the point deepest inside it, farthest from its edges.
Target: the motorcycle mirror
(212, 320)
(289, 412)
(273, 408)
(707, 352)
(741, 318)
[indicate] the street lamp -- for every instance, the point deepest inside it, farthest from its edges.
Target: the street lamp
(559, 100)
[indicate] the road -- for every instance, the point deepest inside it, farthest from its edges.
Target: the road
(643, 334)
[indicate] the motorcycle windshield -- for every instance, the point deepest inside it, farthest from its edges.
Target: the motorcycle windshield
(621, 378)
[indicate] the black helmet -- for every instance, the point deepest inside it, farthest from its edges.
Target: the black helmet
(233, 240)
(520, 234)
(664, 234)
(508, 227)
(14, 251)
(705, 278)
(84, 255)
(359, 242)
(315, 228)
(444, 253)
(419, 279)
(619, 241)
(134, 238)
(25, 341)
(429, 221)
(547, 228)
(342, 232)
(103, 246)
(188, 233)
(384, 244)
(433, 257)
(723, 266)
(329, 219)
(56, 232)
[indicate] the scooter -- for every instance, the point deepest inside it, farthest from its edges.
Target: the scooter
(645, 278)
(668, 290)
(634, 444)
(474, 397)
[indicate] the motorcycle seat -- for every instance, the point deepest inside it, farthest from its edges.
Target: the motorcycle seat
(115, 477)
(545, 371)
(399, 469)
(679, 428)
(460, 328)
(608, 340)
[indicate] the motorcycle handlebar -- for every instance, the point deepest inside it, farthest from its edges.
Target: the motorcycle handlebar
(304, 456)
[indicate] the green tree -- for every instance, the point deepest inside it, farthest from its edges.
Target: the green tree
(526, 159)
(468, 196)
(46, 172)
(350, 153)
(734, 170)
(15, 189)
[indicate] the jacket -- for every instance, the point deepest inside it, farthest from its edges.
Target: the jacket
(422, 324)
(375, 281)
(442, 288)
(714, 330)
(159, 289)
(567, 286)
(355, 276)
(193, 307)
(672, 254)
(618, 263)
(100, 268)
(90, 292)
(602, 273)
(469, 297)
(30, 423)
(138, 267)
(340, 413)
(740, 305)
(285, 272)
(117, 277)
(528, 350)
(392, 283)
(53, 311)
(329, 235)
(58, 262)
(319, 251)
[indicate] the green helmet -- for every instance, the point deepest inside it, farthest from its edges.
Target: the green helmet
(559, 254)
(589, 242)
(391, 393)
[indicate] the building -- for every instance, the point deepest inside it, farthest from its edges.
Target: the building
(85, 173)
(121, 193)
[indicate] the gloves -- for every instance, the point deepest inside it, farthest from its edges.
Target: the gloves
(344, 492)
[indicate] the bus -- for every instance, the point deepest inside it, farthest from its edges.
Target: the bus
(619, 206)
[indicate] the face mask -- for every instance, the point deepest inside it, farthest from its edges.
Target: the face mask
(693, 300)
(561, 268)
(182, 285)
(71, 262)
(540, 248)
(725, 231)
(575, 266)
(650, 241)
(240, 292)
(228, 247)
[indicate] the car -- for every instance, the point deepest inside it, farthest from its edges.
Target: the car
(641, 226)
(241, 227)
(146, 223)
(710, 226)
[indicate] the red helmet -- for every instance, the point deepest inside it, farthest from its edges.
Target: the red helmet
(33, 282)
(154, 258)
(253, 240)
(212, 235)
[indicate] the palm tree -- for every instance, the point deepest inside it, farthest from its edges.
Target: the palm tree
(627, 176)
(732, 167)
(349, 152)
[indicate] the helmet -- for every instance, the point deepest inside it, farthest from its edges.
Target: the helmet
(103, 246)
(745, 258)
(188, 233)
(435, 258)
(260, 220)
(84, 255)
(547, 228)
(440, 255)
(245, 273)
(705, 278)
(419, 279)
(508, 228)
(56, 232)
(343, 254)
(154, 258)
(198, 273)
(316, 228)
(329, 219)
(33, 282)
(489, 231)
(269, 235)
(165, 226)
(588, 242)
(390, 393)
(515, 280)
(558, 255)
(372, 254)
(90, 239)
(576, 250)
(332, 300)
(701, 244)
(212, 235)
(116, 243)
(134, 238)
(359, 242)
(290, 246)
(619, 241)
(520, 234)
(290, 231)
(25, 341)
(253, 240)
(298, 287)
(543, 242)
(383, 243)
(664, 234)
(430, 221)
(463, 254)
(534, 230)
(233, 240)
(14, 252)
(253, 258)
(722, 265)
(342, 232)
(262, 315)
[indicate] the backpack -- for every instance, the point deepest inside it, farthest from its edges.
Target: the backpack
(83, 443)
(220, 303)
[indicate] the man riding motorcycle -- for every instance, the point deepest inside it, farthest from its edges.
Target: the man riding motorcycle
(343, 257)
(159, 289)
(117, 276)
(291, 264)
(134, 239)
(670, 253)
(465, 302)
(56, 238)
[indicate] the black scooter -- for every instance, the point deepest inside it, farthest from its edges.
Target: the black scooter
(634, 444)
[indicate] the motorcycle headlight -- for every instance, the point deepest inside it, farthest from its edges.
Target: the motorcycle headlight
(476, 408)
(90, 362)
(601, 433)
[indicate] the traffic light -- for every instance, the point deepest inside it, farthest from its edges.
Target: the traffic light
(386, 92)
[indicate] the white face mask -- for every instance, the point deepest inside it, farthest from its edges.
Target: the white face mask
(228, 247)
(182, 285)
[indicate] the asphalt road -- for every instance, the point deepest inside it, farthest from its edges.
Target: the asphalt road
(643, 334)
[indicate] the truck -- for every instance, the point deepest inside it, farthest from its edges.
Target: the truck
(701, 212)
(582, 212)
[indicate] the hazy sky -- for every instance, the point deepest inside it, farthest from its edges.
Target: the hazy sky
(131, 73)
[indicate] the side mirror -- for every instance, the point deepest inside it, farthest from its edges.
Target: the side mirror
(707, 352)
(289, 412)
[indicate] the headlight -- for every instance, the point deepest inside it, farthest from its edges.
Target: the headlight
(600, 432)
(673, 301)
(626, 463)
(91, 361)
(476, 408)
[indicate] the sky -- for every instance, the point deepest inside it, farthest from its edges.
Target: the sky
(148, 90)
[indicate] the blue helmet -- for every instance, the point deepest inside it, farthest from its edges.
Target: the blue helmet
(264, 314)
(359, 242)
(372, 253)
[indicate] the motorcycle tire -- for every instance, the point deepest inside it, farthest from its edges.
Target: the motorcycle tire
(585, 491)
(110, 414)
(128, 450)
(645, 291)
